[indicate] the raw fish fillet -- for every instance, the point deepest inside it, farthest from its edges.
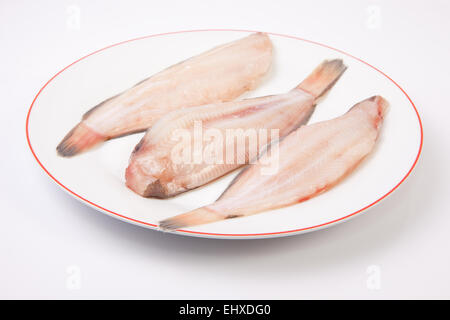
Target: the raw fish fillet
(154, 169)
(220, 74)
(312, 160)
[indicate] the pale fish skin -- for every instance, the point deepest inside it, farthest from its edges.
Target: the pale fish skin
(220, 74)
(152, 171)
(313, 159)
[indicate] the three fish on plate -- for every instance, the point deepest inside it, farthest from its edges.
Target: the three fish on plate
(197, 93)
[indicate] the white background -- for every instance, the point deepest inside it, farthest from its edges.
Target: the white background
(52, 246)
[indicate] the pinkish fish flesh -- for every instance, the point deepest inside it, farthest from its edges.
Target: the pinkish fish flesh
(220, 74)
(312, 160)
(153, 171)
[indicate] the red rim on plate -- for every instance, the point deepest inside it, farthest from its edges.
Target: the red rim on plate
(146, 224)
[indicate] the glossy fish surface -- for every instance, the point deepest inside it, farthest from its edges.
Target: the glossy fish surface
(312, 159)
(220, 74)
(173, 157)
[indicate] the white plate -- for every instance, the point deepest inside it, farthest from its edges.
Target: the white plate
(97, 177)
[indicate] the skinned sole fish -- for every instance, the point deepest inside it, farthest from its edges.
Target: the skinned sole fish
(312, 160)
(220, 74)
(153, 169)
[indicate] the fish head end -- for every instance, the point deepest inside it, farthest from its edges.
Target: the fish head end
(156, 189)
(148, 186)
(137, 180)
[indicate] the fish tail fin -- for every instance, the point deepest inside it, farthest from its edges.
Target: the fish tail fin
(323, 77)
(192, 218)
(79, 139)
